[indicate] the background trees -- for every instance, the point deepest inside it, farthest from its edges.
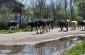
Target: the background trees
(81, 9)
(42, 9)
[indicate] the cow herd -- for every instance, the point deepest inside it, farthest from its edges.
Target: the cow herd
(42, 25)
(73, 24)
(45, 25)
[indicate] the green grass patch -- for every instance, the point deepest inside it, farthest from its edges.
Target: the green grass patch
(13, 31)
(77, 50)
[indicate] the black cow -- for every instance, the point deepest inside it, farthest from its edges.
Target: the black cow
(62, 24)
(46, 24)
(13, 25)
(32, 24)
(50, 24)
(81, 24)
(42, 24)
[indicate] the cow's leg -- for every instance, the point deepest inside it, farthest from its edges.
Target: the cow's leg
(75, 26)
(61, 27)
(52, 26)
(31, 28)
(10, 28)
(84, 27)
(81, 27)
(42, 29)
(37, 29)
(66, 28)
(49, 28)
(78, 26)
(15, 27)
(72, 26)
(46, 27)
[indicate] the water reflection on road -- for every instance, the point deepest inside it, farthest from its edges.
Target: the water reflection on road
(45, 48)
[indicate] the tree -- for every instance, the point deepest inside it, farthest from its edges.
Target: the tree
(81, 8)
(53, 9)
(71, 8)
(18, 9)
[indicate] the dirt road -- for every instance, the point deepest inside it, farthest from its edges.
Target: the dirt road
(32, 37)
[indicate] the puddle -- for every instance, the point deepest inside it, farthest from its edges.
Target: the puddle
(11, 49)
(52, 47)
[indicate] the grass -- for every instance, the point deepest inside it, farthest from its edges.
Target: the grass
(77, 50)
(13, 31)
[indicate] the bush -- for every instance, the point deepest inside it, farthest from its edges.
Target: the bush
(3, 24)
(79, 18)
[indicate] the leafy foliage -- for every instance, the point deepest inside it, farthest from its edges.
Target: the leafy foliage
(55, 9)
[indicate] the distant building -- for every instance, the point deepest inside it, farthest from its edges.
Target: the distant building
(16, 18)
